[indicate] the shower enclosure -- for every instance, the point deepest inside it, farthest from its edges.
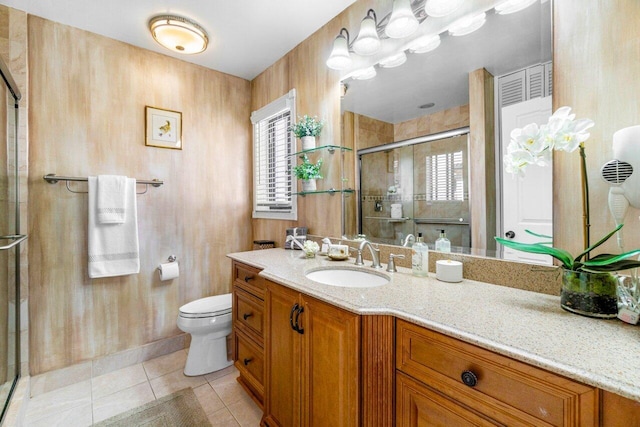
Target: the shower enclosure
(10, 239)
(416, 186)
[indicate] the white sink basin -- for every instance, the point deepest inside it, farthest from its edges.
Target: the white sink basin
(347, 277)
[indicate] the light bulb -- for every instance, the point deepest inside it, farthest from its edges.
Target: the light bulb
(424, 44)
(340, 58)
(440, 8)
(513, 6)
(403, 22)
(367, 42)
(467, 25)
(394, 60)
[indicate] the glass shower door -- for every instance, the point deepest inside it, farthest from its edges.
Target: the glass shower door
(9, 241)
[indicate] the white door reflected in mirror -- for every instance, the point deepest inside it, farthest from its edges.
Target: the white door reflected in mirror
(527, 201)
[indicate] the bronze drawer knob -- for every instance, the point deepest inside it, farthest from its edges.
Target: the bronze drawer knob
(469, 378)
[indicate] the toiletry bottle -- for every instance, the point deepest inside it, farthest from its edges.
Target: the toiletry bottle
(443, 244)
(420, 257)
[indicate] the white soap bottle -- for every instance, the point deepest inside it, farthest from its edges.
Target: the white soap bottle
(443, 244)
(420, 257)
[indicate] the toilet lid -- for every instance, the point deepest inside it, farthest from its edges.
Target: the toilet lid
(207, 307)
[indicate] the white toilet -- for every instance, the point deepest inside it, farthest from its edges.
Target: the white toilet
(208, 320)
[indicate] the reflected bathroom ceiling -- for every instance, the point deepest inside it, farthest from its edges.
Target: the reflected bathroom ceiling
(505, 43)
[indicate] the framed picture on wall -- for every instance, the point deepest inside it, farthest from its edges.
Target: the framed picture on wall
(163, 128)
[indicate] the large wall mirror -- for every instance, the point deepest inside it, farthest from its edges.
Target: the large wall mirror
(409, 126)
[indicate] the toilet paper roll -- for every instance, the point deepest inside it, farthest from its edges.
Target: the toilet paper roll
(449, 271)
(169, 270)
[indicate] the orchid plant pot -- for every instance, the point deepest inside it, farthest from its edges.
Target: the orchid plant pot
(589, 294)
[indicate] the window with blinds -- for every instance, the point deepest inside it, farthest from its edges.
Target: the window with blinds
(445, 179)
(273, 144)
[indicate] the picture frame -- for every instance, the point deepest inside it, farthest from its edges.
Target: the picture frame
(163, 128)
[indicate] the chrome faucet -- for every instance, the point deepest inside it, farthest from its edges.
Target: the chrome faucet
(409, 239)
(375, 254)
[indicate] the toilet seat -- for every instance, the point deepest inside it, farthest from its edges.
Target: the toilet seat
(207, 307)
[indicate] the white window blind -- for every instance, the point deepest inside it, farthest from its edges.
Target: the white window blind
(273, 144)
(445, 180)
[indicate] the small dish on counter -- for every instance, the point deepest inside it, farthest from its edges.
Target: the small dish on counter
(338, 252)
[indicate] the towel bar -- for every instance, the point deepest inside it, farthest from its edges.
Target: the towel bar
(52, 178)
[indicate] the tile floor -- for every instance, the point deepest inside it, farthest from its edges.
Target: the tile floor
(94, 400)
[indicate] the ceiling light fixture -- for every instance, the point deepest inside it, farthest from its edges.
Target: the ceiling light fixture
(440, 8)
(424, 44)
(394, 60)
(178, 34)
(367, 42)
(513, 6)
(339, 58)
(402, 22)
(467, 25)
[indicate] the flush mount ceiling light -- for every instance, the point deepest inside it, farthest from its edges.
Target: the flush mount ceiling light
(367, 42)
(339, 58)
(402, 22)
(424, 44)
(394, 60)
(513, 6)
(440, 8)
(467, 25)
(178, 34)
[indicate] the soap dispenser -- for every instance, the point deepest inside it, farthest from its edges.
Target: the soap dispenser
(420, 257)
(443, 244)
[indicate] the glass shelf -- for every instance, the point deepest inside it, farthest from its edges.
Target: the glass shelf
(388, 219)
(330, 148)
(330, 191)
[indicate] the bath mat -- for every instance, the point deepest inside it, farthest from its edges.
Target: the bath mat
(180, 409)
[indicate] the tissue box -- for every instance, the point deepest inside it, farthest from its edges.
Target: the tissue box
(300, 234)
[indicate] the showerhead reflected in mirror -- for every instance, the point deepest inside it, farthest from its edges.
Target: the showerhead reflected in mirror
(387, 109)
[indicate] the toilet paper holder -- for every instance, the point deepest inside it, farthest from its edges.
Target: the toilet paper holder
(172, 258)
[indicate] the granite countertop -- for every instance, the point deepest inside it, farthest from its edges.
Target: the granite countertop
(527, 326)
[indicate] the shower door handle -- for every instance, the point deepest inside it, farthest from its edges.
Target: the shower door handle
(17, 238)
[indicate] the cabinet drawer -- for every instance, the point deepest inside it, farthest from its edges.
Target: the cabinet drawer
(248, 314)
(419, 405)
(248, 279)
(506, 390)
(250, 362)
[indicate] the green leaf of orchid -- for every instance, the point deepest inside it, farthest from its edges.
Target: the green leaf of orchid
(601, 241)
(544, 236)
(616, 266)
(609, 259)
(560, 254)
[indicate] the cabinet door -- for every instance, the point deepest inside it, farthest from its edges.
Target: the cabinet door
(330, 375)
(282, 355)
(419, 405)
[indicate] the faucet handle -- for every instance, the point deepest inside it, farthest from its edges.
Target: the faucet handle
(359, 260)
(391, 268)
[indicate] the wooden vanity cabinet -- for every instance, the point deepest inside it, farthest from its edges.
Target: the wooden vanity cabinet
(312, 358)
(484, 388)
(248, 329)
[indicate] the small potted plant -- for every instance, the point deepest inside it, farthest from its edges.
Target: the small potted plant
(307, 129)
(308, 173)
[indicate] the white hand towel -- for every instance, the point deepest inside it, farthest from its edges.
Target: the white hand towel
(113, 248)
(111, 199)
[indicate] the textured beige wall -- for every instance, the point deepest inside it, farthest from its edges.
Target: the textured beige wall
(596, 61)
(88, 95)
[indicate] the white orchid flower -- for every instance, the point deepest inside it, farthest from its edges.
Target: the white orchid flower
(534, 144)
